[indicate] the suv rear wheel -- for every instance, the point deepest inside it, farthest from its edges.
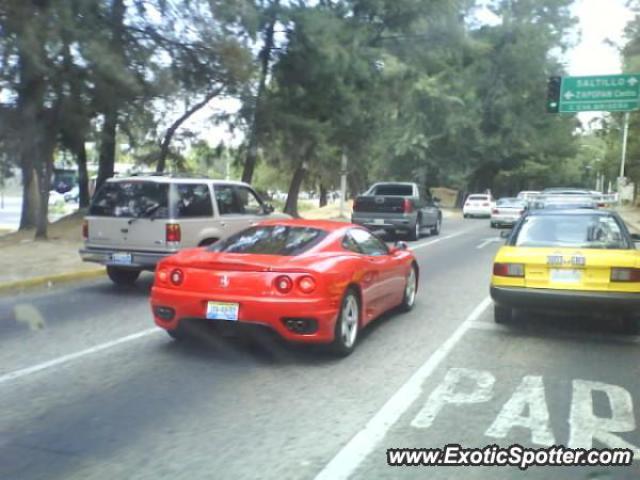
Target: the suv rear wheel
(122, 276)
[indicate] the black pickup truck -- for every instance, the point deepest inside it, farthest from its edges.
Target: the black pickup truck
(398, 207)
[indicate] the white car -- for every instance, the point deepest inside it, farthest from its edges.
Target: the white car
(507, 212)
(477, 205)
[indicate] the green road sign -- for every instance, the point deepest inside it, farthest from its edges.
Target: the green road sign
(604, 93)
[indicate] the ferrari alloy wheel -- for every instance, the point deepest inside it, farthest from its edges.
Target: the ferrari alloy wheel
(347, 325)
(410, 290)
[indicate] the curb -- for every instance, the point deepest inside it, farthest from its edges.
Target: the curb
(50, 279)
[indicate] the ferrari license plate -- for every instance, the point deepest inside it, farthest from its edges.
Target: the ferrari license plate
(122, 258)
(222, 311)
(565, 276)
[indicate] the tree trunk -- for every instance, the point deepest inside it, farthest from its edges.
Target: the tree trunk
(291, 205)
(107, 159)
(83, 174)
(171, 131)
(265, 60)
(43, 175)
(29, 195)
(323, 196)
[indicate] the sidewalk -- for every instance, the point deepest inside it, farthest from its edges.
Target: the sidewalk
(631, 215)
(28, 263)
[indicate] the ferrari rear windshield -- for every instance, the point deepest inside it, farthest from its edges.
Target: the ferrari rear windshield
(572, 231)
(271, 240)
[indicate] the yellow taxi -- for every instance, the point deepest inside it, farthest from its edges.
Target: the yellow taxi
(580, 260)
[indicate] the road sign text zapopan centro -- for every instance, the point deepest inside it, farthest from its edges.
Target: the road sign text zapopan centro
(614, 93)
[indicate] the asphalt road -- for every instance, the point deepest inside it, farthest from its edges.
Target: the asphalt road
(90, 390)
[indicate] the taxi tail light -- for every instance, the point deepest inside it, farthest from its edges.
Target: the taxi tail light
(173, 233)
(176, 277)
(407, 206)
(306, 284)
(508, 270)
(625, 274)
(85, 229)
(283, 284)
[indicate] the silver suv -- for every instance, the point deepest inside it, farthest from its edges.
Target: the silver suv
(134, 222)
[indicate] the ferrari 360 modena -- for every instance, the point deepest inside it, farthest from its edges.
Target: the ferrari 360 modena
(309, 281)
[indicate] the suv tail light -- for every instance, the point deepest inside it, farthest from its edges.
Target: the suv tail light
(407, 207)
(625, 274)
(495, 211)
(508, 270)
(173, 234)
(486, 204)
(85, 229)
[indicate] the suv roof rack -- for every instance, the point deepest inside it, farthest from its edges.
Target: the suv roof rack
(169, 175)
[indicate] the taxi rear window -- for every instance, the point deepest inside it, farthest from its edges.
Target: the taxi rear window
(572, 231)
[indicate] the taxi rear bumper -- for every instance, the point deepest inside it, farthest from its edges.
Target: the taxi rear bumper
(548, 299)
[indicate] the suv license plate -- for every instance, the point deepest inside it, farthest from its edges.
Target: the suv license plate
(222, 311)
(378, 221)
(565, 276)
(122, 258)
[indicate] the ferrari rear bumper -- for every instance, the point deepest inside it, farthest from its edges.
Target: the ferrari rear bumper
(309, 320)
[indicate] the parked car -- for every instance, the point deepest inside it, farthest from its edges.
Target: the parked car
(134, 222)
(309, 281)
(507, 212)
(477, 205)
(569, 261)
(398, 207)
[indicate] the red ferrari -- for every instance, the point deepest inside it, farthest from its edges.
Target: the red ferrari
(310, 281)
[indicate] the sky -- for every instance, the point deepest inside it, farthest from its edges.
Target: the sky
(600, 22)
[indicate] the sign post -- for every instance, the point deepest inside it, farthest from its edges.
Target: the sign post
(625, 134)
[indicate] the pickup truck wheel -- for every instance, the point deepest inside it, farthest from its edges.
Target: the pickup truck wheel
(122, 276)
(415, 233)
(435, 230)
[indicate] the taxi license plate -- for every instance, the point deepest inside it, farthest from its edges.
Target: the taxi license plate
(122, 258)
(378, 221)
(222, 311)
(565, 276)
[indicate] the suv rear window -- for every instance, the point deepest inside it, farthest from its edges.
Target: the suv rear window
(131, 199)
(393, 190)
(478, 197)
(271, 240)
(139, 199)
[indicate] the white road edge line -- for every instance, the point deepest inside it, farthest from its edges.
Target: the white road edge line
(349, 458)
(488, 241)
(436, 240)
(7, 377)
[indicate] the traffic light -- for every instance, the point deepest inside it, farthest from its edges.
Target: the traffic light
(553, 94)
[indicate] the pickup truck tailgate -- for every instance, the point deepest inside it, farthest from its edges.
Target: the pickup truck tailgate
(379, 204)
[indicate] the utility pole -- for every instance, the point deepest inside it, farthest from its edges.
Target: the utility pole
(343, 185)
(625, 134)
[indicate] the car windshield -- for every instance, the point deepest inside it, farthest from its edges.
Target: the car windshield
(393, 190)
(571, 231)
(271, 240)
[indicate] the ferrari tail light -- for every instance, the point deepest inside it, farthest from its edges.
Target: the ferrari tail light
(508, 270)
(283, 284)
(85, 229)
(407, 206)
(162, 275)
(176, 277)
(625, 274)
(173, 234)
(306, 284)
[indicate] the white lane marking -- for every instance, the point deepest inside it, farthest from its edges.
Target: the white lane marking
(436, 240)
(557, 333)
(585, 426)
(529, 396)
(7, 377)
(347, 460)
(489, 241)
(446, 393)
